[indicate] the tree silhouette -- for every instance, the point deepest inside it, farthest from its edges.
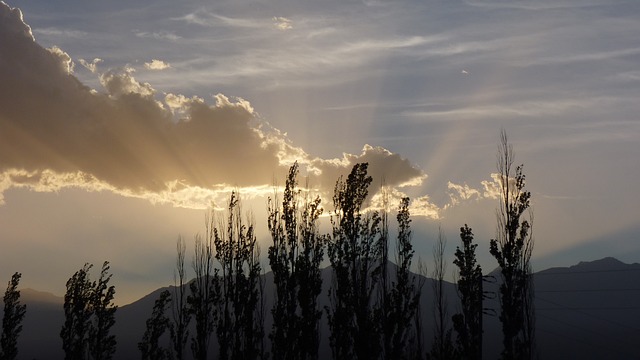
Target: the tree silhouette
(77, 312)
(354, 252)
(442, 348)
(102, 345)
(156, 326)
(203, 293)
(179, 328)
(400, 302)
(14, 313)
(468, 324)
(512, 249)
(239, 325)
(295, 258)
(89, 315)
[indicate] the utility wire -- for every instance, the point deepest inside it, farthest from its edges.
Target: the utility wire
(578, 310)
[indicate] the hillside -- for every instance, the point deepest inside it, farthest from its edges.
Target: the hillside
(586, 311)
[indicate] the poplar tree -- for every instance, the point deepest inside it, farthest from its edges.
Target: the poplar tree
(512, 248)
(295, 257)
(402, 299)
(77, 313)
(240, 320)
(442, 348)
(156, 326)
(89, 315)
(179, 327)
(354, 252)
(102, 344)
(14, 313)
(468, 323)
(203, 295)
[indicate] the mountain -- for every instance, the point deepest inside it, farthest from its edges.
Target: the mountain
(587, 311)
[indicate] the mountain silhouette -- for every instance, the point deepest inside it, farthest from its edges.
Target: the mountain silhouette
(590, 310)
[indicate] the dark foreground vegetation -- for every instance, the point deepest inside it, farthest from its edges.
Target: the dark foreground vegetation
(374, 308)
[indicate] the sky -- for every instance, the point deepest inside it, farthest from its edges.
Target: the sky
(122, 123)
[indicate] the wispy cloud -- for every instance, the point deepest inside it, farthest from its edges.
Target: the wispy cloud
(282, 23)
(62, 33)
(159, 35)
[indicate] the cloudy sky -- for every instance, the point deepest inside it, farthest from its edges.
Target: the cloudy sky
(122, 122)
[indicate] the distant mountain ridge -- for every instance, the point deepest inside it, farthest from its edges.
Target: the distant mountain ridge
(590, 310)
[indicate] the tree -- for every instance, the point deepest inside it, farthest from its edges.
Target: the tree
(512, 248)
(156, 326)
(89, 315)
(401, 301)
(178, 329)
(295, 257)
(203, 293)
(354, 252)
(468, 324)
(442, 344)
(102, 345)
(77, 312)
(14, 313)
(239, 324)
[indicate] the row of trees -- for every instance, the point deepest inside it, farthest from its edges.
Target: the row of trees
(374, 305)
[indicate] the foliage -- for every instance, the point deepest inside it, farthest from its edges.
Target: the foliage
(102, 345)
(203, 294)
(442, 343)
(14, 313)
(240, 321)
(77, 313)
(401, 301)
(295, 258)
(468, 324)
(354, 252)
(156, 326)
(89, 315)
(179, 328)
(512, 249)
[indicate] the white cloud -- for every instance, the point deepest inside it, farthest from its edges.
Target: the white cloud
(157, 65)
(91, 66)
(61, 33)
(120, 81)
(66, 63)
(282, 23)
(158, 35)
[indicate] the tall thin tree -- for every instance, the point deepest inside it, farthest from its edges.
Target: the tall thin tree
(468, 323)
(102, 344)
(512, 248)
(239, 328)
(442, 348)
(14, 313)
(354, 253)
(295, 257)
(402, 298)
(77, 312)
(179, 328)
(203, 292)
(156, 326)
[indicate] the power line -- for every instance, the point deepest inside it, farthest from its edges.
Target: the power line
(572, 272)
(586, 290)
(589, 343)
(594, 308)
(580, 311)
